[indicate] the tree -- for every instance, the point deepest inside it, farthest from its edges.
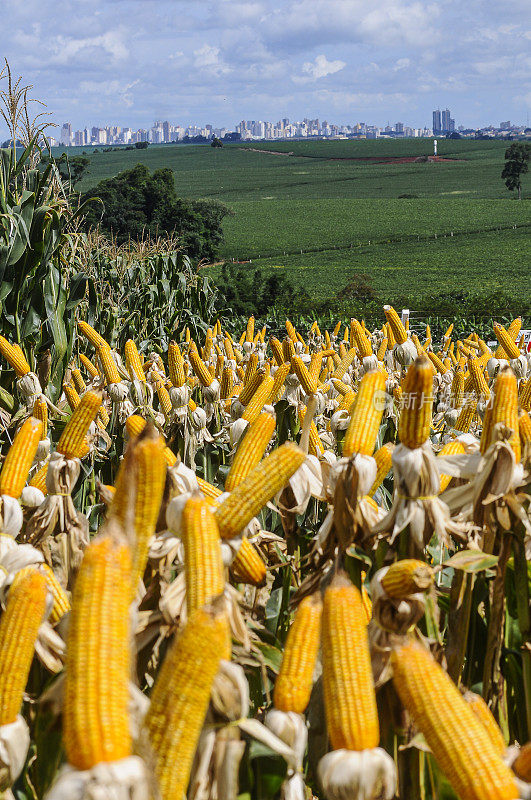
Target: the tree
(516, 158)
(216, 142)
(141, 145)
(136, 202)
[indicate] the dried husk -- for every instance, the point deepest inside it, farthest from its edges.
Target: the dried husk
(116, 780)
(14, 746)
(363, 775)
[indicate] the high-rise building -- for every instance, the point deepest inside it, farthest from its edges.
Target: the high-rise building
(504, 126)
(445, 119)
(166, 131)
(437, 128)
(399, 127)
(66, 134)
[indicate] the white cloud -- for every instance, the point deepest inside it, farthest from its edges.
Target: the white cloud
(64, 49)
(208, 57)
(402, 63)
(321, 67)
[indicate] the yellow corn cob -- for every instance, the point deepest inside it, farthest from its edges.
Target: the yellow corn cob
(484, 714)
(227, 383)
(108, 365)
(79, 383)
(293, 685)
(258, 400)
(39, 479)
(340, 387)
(208, 489)
(347, 402)
(251, 387)
(260, 485)
(525, 395)
(366, 415)
(163, 395)
(382, 349)
(91, 335)
(466, 416)
(139, 488)
(249, 332)
(314, 367)
(276, 348)
(457, 388)
(207, 350)
(89, 366)
(14, 357)
(359, 338)
(278, 386)
(344, 364)
(524, 427)
(350, 702)
(72, 442)
(522, 763)
(175, 365)
(96, 690)
(437, 363)
(251, 449)
(290, 329)
(457, 738)
(71, 395)
(288, 350)
(19, 626)
(204, 572)
(220, 361)
(248, 565)
(506, 342)
(180, 698)
(250, 369)
(416, 341)
(505, 407)
(40, 411)
(61, 602)
(384, 461)
(200, 369)
(407, 577)
(315, 445)
(20, 458)
(415, 418)
(133, 362)
(481, 386)
(395, 323)
(308, 383)
(229, 350)
(452, 448)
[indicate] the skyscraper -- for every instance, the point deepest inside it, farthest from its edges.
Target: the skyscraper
(436, 121)
(445, 120)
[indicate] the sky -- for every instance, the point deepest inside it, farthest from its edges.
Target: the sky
(130, 62)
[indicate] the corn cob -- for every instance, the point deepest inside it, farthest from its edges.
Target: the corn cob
(278, 386)
(505, 407)
(89, 366)
(290, 329)
(293, 685)
(437, 363)
(415, 418)
(314, 367)
(344, 364)
(72, 442)
(139, 488)
(175, 364)
(457, 388)
(15, 357)
(248, 565)
(347, 402)
(359, 338)
(350, 702)
(227, 383)
(251, 449)
(384, 461)
(457, 738)
(260, 485)
(61, 602)
(340, 387)
(180, 698)
(19, 626)
(250, 369)
(366, 415)
(522, 763)
(484, 714)
(466, 416)
(163, 395)
(200, 368)
(308, 383)
(40, 411)
(208, 489)
(250, 388)
(315, 447)
(276, 348)
(258, 400)
(204, 571)
(220, 362)
(108, 365)
(72, 396)
(407, 577)
(20, 458)
(524, 427)
(481, 386)
(133, 362)
(288, 350)
(382, 349)
(95, 713)
(525, 395)
(452, 448)
(91, 335)
(39, 479)
(507, 340)
(395, 324)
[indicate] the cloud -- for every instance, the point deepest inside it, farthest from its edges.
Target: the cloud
(208, 57)
(321, 67)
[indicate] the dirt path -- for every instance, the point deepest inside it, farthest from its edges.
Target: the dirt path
(368, 159)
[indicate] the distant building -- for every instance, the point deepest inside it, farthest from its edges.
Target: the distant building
(66, 134)
(436, 127)
(399, 127)
(505, 126)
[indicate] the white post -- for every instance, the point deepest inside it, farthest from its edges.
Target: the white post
(435, 147)
(405, 316)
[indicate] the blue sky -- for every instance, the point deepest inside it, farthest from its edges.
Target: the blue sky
(129, 62)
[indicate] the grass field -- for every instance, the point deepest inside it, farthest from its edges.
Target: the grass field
(321, 197)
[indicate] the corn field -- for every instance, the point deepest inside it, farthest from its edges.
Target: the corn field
(250, 566)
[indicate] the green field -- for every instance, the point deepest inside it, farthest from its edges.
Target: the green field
(322, 198)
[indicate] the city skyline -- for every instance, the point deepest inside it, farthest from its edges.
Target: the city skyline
(133, 61)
